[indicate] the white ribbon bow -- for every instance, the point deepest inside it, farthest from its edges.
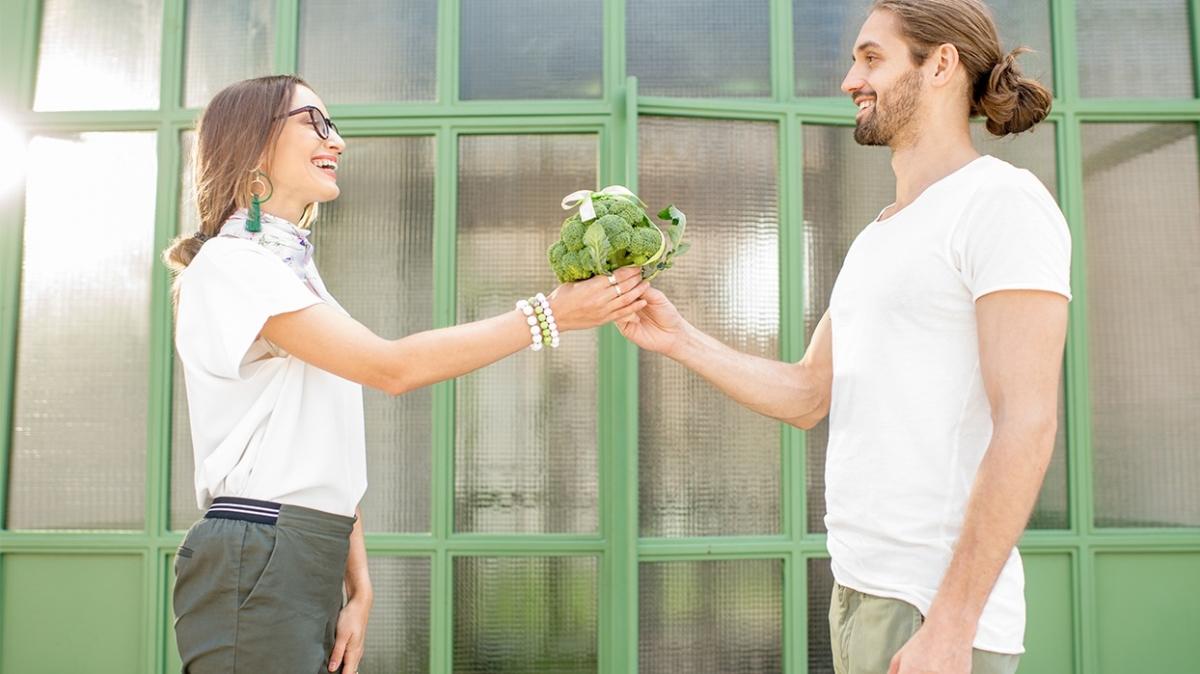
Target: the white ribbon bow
(583, 199)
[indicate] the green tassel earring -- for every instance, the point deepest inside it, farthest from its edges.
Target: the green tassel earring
(254, 219)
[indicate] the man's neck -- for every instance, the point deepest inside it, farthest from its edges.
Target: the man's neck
(930, 158)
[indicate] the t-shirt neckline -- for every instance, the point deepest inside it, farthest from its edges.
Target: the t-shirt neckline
(940, 181)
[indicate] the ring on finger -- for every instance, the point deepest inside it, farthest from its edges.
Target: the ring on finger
(612, 280)
(617, 288)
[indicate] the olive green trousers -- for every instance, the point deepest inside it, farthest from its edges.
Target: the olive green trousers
(258, 598)
(865, 631)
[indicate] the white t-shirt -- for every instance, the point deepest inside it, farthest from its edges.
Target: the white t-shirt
(910, 419)
(265, 424)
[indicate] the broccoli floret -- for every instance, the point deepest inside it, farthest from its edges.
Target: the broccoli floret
(617, 230)
(628, 212)
(556, 253)
(572, 233)
(570, 265)
(644, 243)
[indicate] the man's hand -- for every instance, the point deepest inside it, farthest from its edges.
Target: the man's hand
(351, 635)
(934, 651)
(657, 327)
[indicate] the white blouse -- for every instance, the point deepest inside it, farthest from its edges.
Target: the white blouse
(265, 424)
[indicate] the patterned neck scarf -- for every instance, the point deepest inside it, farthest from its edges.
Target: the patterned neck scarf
(284, 239)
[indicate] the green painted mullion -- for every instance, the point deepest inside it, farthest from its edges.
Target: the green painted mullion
(614, 367)
(447, 56)
(120, 120)
(783, 60)
(450, 11)
(1078, 407)
(444, 307)
(792, 268)
(158, 417)
(27, 65)
(287, 36)
(795, 614)
(623, 535)
(76, 542)
(1066, 54)
(1194, 24)
(171, 59)
(607, 386)
(716, 545)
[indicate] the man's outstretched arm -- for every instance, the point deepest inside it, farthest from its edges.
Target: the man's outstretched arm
(795, 393)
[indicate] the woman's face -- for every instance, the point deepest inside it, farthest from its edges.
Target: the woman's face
(303, 167)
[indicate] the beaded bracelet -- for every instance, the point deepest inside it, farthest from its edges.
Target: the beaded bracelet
(542, 327)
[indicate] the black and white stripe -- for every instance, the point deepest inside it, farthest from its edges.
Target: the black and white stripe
(247, 509)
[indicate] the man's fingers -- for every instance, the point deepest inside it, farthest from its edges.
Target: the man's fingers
(630, 310)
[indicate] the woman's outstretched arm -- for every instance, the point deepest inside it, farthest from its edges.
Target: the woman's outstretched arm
(324, 337)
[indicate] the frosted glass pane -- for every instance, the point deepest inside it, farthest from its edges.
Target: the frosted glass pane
(1142, 214)
(845, 187)
(374, 247)
(719, 616)
(369, 51)
(699, 48)
(522, 614)
(227, 41)
(79, 426)
(824, 41)
(99, 55)
(525, 454)
(1134, 49)
(820, 594)
(530, 49)
(825, 31)
(708, 466)
(398, 632)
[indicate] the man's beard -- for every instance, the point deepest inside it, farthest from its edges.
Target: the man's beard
(880, 127)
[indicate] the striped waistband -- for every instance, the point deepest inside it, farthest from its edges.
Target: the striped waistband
(248, 509)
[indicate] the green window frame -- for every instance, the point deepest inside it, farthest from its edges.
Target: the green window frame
(614, 118)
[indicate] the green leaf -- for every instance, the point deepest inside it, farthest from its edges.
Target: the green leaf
(683, 248)
(598, 245)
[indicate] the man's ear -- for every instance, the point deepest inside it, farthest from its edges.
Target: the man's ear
(945, 64)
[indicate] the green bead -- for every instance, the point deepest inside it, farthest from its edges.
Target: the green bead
(546, 332)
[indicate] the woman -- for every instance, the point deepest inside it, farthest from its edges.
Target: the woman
(274, 369)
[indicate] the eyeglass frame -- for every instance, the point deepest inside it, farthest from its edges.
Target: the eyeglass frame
(312, 111)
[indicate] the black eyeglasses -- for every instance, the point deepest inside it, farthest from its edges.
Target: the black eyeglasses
(320, 122)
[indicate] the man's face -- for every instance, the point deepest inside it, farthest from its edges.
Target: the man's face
(884, 84)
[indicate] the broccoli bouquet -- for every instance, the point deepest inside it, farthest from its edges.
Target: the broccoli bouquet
(611, 231)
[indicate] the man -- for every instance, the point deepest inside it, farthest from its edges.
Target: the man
(938, 361)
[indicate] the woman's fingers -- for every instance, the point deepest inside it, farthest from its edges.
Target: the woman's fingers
(632, 293)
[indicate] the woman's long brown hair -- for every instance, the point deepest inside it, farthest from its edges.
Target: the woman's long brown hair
(233, 137)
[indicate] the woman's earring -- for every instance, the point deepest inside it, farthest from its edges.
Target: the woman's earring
(257, 198)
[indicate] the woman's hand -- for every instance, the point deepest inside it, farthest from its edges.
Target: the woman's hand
(351, 634)
(598, 300)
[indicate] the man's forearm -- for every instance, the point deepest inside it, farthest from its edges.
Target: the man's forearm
(795, 393)
(1002, 498)
(358, 580)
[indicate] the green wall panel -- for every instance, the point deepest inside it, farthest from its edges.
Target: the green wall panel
(1148, 612)
(1048, 624)
(73, 613)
